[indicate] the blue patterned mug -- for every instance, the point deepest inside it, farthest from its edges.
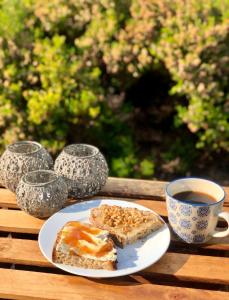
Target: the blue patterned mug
(195, 222)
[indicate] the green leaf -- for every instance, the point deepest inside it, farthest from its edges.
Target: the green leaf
(147, 167)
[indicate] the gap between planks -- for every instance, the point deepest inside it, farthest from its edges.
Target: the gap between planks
(19, 284)
(183, 266)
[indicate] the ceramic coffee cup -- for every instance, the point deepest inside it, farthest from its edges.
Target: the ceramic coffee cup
(195, 222)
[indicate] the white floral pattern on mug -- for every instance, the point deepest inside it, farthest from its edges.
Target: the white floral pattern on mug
(172, 204)
(185, 224)
(185, 210)
(173, 218)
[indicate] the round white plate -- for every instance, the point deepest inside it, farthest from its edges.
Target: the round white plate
(131, 259)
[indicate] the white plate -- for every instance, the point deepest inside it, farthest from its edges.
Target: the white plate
(131, 259)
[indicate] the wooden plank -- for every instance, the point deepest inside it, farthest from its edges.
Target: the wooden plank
(19, 251)
(134, 188)
(18, 284)
(19, 221)
(7, 198)
(156, 205)
(118, 187)
(182, 266)
(138, 188)
(192, 267)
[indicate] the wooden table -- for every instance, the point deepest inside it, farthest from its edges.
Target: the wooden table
(184, 272)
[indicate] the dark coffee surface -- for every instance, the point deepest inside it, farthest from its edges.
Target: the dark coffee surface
(195, 197)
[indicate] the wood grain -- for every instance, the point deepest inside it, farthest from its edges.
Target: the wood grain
(159, 206)
(117, 187)
(192, 267)
(7, 198)
(138, 188)
(134, 188)
(19, 251)
(182, 266)
(18, 284)
(18, 221)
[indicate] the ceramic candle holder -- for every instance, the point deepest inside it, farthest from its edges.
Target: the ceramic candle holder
(84, 169)
(21, 158)
(41, 193)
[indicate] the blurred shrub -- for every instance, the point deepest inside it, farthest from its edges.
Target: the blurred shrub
(62, 63)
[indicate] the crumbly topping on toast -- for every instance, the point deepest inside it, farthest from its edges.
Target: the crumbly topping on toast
(124, 218)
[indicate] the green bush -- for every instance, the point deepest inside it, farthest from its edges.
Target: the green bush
(63, 62)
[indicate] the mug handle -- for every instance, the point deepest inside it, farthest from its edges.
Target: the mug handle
(225, 216)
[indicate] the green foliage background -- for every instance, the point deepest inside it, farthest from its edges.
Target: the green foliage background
(63, 62)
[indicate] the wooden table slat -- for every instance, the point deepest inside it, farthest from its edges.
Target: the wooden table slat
(19, 251)
(20, 222)
(157, 205)
(192, 267)
(8, 200)
(138, 188)
(18, 284)
(182, 266)
(120, 187)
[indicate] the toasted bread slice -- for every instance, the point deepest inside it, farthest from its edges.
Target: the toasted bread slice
(126, 225)
(82, 245)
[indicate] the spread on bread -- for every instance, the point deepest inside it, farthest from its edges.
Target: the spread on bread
(85, 246)
(87, 241)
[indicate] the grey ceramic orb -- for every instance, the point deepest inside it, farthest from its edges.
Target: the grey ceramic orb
(84, 169)
(41, 193)
(21, 158)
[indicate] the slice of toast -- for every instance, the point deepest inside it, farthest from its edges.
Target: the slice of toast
(126, 225)
(82, 245)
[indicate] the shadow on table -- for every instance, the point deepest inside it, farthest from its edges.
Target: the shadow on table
(81, 206)
(118, 281)
(170, 263)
